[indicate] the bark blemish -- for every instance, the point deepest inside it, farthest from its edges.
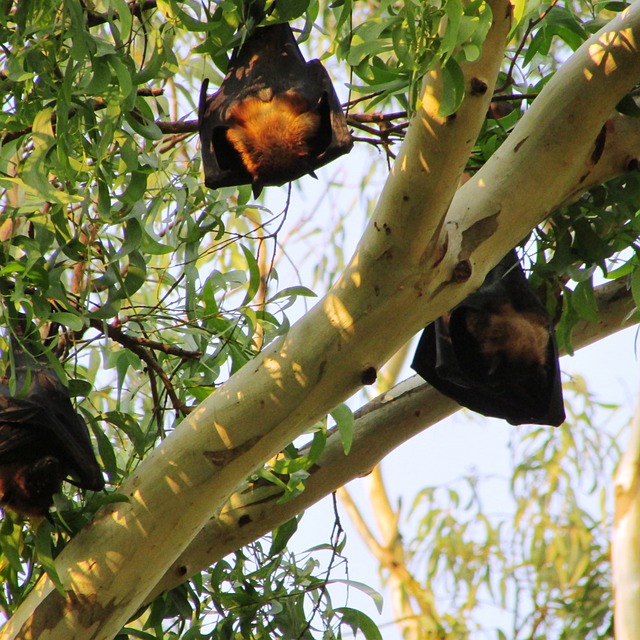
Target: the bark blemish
(478, 87)
(478, 232)
(517, 147)
(369, 376)
(223, 457)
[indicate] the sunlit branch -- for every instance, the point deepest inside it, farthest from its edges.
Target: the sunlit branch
(380, 426)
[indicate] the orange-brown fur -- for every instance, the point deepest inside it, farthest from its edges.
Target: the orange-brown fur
(518, 337)
(272, 137)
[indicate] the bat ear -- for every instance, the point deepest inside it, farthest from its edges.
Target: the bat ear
(313, 174)
(202, 105)
(256, 188)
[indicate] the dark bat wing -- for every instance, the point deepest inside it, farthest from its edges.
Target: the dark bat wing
(435, 361)
(16, 440)
(496, 353)
(334, 137)
(67, 427)
(269, 64)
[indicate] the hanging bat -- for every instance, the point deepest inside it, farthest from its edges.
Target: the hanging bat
(43, 440)
(274, 118)
(495, 353)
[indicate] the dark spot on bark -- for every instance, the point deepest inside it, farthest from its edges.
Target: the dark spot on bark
(405, 198)
(244, 520)
(376, 290)
(478, 87)
(182, 570)
(387, 229)
(223, 457)
(477, 232)
(417, 413)
(633, 164)
(517, 147)
(369, 375)
(599, 145)
(452, 117)
(321, 368)
(47, 613)
(462, 271)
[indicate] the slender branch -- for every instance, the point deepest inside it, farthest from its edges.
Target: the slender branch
(533, 22)
(96, 103)
(130, 342)
(135, 344)
(183, 126)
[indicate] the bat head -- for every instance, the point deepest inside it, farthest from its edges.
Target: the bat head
(503, 342)
(29, 488)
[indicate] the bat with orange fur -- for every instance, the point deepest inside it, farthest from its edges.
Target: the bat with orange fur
(43, 440)
(275, 117)
(495, 353)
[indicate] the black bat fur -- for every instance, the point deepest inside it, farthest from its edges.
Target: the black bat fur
(43, 440)
(275, 117)
(495, 353)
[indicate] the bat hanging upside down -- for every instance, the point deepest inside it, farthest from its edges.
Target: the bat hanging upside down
(43, 440)
(495, 353)
(274, 118)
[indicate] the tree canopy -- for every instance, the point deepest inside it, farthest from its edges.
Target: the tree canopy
(179, 313)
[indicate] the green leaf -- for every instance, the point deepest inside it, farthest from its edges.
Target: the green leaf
(584, 301)
(132, 238)
(254, 275)
(45, 554)
(452, 88)
(344, 421)
(293, 292)
(70, 320)
(359, 621)
(282, 535)
(454, 12)
(148, 129)
(36, 166)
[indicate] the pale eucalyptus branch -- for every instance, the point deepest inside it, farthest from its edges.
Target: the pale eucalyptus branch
(380, 426)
